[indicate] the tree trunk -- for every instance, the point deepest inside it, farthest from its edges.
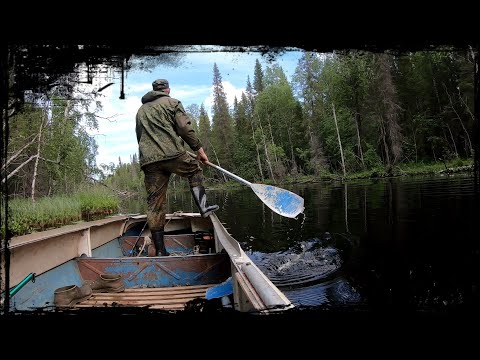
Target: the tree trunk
(385, 145)
(218, 162)
(359, 140)
(389, 109)
(469, 143)
(18, 168)
(294, 163)
(358, 126)
(415, 145)
(267, 157)
(14, 156)
(453, 141)
(318, 160)
(35, 168)
(466, 106)
(259, 162)
(339, 141)
(271, 137)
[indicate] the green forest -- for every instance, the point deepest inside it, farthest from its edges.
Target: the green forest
(345, 114)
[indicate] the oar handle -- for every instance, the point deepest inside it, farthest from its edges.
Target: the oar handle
(226, 172)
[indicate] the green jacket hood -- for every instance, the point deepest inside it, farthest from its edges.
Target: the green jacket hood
(152, 95)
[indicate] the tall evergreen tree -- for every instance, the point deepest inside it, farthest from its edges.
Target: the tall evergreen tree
(306, 82)
(274, 75)
(244, 154)
(257, 78)
(222, 128)
(354, 77)
(204, 129)
(387, 111)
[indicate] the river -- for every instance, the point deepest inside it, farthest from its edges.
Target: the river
(397, 243)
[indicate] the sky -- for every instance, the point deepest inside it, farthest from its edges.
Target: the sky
(191, 82)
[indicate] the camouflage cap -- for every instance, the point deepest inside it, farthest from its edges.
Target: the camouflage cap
(160, 84)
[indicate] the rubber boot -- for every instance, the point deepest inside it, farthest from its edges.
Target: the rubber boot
(157, 238)
(200, 197)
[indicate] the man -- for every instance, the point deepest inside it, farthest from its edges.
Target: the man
(162, 129)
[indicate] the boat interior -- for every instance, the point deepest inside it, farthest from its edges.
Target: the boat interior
(206, 265)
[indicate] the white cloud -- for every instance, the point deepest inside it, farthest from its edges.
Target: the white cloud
(189, 93)
(142, 87)
(116, 134)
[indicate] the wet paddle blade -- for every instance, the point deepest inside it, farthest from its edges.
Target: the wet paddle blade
(283, 202)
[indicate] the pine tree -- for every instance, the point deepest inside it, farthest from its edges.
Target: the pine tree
(387, 111)
(222, 128)
(204, 129)
(244, 154)
(307, 85)
(257, 78)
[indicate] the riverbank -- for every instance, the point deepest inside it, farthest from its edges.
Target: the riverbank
(414, 169)
(98, 202)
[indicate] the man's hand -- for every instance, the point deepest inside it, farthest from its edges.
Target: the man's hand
(202, 156)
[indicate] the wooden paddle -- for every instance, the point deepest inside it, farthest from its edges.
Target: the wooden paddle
(283, 202)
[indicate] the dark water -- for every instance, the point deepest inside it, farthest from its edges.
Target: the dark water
(402, 243)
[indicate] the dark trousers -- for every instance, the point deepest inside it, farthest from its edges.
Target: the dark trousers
(157, 176)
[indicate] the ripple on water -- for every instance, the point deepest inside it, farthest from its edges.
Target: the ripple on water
(308, 263)
(337, 291)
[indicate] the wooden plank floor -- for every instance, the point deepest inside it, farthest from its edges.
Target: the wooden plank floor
(172, 298)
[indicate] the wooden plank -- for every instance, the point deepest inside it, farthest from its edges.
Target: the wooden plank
(139, 302)
(115, 296)
(155, 298)
(170, 289)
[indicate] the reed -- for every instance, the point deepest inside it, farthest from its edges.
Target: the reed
(25, 216)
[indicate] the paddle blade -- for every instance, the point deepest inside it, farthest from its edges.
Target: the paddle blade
(283, 202)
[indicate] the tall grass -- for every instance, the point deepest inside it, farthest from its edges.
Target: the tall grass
(25, 216)
(97, 201)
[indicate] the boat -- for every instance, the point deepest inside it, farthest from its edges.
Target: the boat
(206, 266)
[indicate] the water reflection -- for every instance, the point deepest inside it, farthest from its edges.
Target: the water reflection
(401, 243)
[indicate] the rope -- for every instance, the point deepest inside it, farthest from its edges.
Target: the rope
(174, 214)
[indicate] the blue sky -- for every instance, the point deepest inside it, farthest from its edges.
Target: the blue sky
(191, 82)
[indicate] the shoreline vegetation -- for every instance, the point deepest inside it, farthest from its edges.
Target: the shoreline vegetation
(99, 202)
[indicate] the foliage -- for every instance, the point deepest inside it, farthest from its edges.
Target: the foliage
(371, 158)
(50, 149)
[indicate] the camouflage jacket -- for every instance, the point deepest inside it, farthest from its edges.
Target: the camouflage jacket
(162, 128)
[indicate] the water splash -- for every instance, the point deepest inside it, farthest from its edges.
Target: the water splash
(306, 262)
